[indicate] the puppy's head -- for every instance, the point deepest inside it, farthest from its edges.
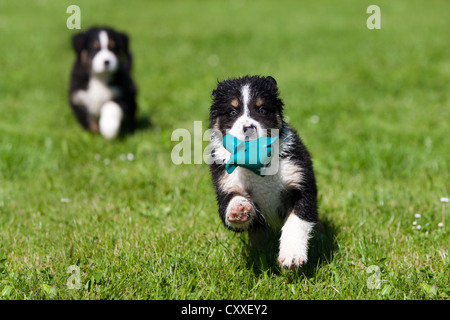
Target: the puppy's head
(247, 108)
(102, 50)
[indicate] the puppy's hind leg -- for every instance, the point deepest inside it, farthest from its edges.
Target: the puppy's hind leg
(259, 237)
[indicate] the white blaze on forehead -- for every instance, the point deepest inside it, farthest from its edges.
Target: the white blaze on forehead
(105, 60)
(246, 98)
(245, 119)
(103, 37)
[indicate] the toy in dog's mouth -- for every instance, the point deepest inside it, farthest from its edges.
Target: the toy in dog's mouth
(250, 154)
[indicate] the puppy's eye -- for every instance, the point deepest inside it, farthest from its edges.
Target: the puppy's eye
(262, 110)
(233, 113)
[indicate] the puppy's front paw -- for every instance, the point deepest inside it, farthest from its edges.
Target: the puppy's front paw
(110, 120)
(292, 259)
(239, 213)
(294, 242)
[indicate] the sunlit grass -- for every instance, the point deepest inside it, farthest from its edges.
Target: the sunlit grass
(372, 107)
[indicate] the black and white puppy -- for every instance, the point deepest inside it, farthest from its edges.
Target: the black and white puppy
(102, 92)
(249, 108)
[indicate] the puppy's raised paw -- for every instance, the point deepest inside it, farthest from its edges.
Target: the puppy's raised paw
(239, 212)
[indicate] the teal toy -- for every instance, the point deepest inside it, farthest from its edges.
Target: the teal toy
(251, 154)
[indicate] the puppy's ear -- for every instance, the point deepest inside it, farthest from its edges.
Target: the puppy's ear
(123, 47)
(272, 80)
(213, 113)
(123, 42)
(79, 42)
(271, 85)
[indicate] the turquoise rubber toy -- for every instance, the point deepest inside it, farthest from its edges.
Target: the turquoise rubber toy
(252, 154)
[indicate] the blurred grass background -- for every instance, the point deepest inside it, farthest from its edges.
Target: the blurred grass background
(371, 105)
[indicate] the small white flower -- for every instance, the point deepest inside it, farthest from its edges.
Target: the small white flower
(414, 223)
(418, 227)
(65, 200)
(106, 161)
(97, 157)
(445, 199)
(315, 119)
(130, 156)
(213, 60)
(417, 215)
(440, 224)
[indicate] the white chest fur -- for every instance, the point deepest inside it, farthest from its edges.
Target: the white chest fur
(95, 96)
(266, 190)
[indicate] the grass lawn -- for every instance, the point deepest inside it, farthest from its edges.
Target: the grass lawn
(372, 106)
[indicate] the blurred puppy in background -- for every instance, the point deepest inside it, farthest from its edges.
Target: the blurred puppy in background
(102, 92)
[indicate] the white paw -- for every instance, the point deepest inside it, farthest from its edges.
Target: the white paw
(292, 259)
(110, 120)
(294, 242)
(239, 213)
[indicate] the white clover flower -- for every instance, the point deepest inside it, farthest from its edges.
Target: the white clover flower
(445, 199)
(97, 157)
(315, 119)
(417, 215)
(440, 224)
(130, 156)
(65, 200)
(213, 60)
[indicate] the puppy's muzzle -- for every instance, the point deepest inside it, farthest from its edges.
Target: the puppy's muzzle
(250, 131)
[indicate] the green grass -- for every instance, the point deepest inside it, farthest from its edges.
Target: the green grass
(371, 105)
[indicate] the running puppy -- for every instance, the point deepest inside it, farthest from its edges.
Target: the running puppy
(102, 93)
(249, 108)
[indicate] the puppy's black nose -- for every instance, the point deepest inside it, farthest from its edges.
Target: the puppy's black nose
(249, 129)
(106, 63)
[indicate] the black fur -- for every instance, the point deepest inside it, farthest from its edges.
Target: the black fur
(304, 199)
